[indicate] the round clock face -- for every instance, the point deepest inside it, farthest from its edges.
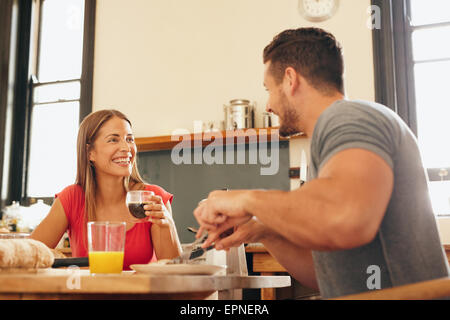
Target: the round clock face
(318, 10)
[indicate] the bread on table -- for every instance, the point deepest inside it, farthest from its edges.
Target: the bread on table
(25, 253)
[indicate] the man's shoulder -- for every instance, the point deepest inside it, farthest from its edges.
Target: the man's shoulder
(358, 113)
(358, 108)
(356, 124)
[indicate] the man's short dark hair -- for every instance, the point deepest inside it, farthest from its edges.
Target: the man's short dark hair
(312, 52)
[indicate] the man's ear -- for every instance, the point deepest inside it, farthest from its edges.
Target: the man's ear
(291, 80)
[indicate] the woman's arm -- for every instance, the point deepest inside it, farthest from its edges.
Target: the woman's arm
(165, 237)
(52, 228)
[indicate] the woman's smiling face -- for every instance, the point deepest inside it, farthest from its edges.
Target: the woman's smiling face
(114, 149)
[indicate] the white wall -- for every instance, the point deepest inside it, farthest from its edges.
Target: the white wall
(166, 63)
(443, 224)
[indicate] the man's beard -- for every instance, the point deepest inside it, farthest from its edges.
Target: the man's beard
(289, 119)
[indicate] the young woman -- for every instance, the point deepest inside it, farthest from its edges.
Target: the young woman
(106, 170)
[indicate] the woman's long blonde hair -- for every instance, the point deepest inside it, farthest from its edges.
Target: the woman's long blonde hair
(87, 133)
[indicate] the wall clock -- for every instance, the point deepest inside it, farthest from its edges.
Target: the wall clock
(317, 10)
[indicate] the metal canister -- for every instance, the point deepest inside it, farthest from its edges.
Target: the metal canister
(270, 120)
(239, 114)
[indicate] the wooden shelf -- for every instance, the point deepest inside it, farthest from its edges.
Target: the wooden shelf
(205, 138)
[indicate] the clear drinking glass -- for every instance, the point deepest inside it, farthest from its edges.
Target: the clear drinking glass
(136, 200)
(106, 246)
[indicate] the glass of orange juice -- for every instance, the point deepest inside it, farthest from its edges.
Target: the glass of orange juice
(106, 246)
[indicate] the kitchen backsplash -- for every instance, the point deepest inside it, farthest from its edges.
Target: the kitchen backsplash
(191, 182)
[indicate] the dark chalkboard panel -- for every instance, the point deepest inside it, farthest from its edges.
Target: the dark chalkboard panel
(190, 183)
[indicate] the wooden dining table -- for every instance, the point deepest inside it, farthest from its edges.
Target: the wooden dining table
(63, 284)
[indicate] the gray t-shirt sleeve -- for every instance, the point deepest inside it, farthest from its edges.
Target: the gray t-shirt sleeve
(346, 125)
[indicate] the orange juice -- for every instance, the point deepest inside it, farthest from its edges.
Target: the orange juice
(106, 261)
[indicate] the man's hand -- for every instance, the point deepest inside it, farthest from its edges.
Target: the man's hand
(251, 231)
(219, 207)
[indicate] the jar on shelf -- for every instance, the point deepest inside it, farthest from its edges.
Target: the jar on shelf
(239, 114)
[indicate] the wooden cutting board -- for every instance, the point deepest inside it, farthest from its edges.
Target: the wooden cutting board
(19, 270)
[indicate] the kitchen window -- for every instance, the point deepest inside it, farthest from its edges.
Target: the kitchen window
(55, 104)
(60, 91)
(46, 89)
(412, 61)
(430, 31)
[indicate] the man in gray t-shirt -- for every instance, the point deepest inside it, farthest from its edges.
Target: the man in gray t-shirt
(363, 220)
(407, 247)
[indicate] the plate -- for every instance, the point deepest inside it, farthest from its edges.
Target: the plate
(177, 269)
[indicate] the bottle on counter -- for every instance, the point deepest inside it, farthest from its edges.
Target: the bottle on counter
(11, 216)
(36, 213)
(66, 241)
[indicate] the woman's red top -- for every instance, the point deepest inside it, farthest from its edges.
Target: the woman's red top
(138, 240)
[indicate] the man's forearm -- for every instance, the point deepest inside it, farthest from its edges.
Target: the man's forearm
(297, 261)
(341, 209)
(305, 217)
